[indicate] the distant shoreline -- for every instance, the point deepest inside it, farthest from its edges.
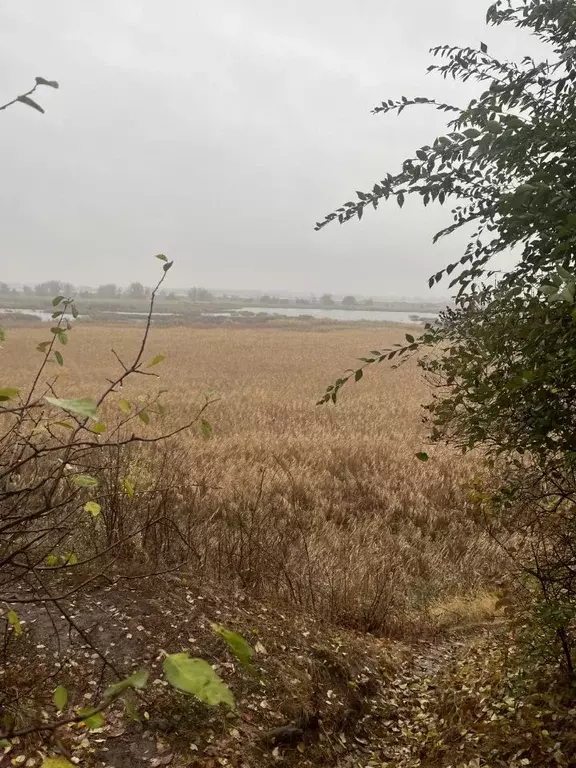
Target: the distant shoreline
(183, 305)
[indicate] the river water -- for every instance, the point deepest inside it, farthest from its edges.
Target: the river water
(341, 315)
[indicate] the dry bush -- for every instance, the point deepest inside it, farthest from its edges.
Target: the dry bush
(324, 507)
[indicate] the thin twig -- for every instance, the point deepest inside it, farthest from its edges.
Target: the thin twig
(14, 101)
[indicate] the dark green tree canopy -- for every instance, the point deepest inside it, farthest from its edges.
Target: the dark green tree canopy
(507, 159)
(502, 359)
(507, 166)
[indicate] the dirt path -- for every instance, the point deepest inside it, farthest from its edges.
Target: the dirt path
(350, 699)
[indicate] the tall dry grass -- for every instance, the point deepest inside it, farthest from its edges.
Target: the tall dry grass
(323, 507)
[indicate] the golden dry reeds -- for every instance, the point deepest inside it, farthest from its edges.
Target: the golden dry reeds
(323, 507)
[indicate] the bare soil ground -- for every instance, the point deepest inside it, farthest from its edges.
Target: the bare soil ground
(321, 696)
(324, 684)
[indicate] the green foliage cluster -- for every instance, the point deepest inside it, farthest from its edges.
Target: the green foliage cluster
(502, 359)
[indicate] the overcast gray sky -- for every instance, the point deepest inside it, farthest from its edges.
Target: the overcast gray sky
(218, 132)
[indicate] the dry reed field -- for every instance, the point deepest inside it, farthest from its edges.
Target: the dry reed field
(324, 508)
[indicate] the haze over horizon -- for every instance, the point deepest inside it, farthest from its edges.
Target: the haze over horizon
(259, 293)
(219, 134)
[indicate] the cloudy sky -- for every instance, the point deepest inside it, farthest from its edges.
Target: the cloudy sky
(218, 132)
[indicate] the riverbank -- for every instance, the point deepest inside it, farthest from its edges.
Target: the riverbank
(187, 310)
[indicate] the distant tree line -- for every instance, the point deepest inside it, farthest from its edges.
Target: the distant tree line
(326, 300)
(137, 290)
(200, 294)
(57, 288)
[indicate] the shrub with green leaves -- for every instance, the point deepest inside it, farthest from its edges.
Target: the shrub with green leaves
(54, 455)
(61, 487)
(502, 358)
(61, 462)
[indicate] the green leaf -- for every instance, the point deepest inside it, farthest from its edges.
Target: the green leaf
(143, 416)
(43, 81)
(56, 300)
(74, 309)
(70, 559)
(43, 346)
(522, 189)
(85, 481)
(51, 560)
(30, 102)
(167, 266)
(422, 456)
(206, 428)
(472, 133)
(60, 698)
(138, 680)
(548, 290)
(358, 375)
(56, 762)
(196, 676)
(2, 334)
(84, 406)
(409, 338)
(99, 428)
(238, 645)
(125, 406)
(400, 199)
(93, 508)
(62, 337)
(161, 257)
(483, 47)
(564, 274)
(494, 126)
(59, 358)
(567, 293)
(8, 393)
(92, 718)
(14, 621)
(156, 360)
(128, 487)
